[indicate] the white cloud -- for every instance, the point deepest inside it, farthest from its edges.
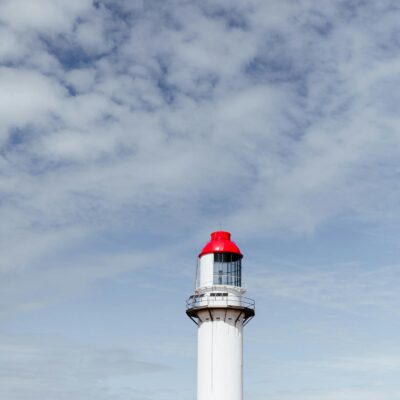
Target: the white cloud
(280, 119)
(341, 394)
(34, 277)
(56, 368)
(81, 79)
(262, 116)
(42, 15)
(365, 376)
(347, 287)
(9, 45)
(375, 363)
(27, 98)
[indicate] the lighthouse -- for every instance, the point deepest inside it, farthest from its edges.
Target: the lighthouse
(220, 311)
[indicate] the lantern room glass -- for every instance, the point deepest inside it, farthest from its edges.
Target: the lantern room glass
(227, 269)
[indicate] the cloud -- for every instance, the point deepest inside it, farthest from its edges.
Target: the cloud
(342, 394)
(43, 15)
(277, 110)
(56, 368)
(27, 99)
(347, 287)
(364, 376)
(375, 363)
(264, 118)
(154, 121)
(46, 280)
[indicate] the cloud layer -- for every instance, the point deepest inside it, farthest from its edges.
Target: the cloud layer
(130, 126)
(261, 115)
(58, 369)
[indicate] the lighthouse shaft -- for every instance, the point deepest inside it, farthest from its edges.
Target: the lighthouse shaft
(220, 355)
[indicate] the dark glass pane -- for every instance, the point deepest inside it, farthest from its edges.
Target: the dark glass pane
(227, 269)
(226, 257)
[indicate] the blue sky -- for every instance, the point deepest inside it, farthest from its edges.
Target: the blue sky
(132, 129)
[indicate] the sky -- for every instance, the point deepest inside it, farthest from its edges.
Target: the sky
(130, 130)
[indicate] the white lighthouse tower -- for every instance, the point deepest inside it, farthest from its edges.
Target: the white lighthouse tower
(220, 311)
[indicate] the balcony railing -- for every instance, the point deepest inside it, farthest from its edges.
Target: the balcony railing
(219, 300)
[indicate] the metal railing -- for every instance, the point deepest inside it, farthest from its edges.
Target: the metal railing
(219, 300)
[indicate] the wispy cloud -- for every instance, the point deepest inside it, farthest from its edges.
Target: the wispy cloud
(55, 368)
(366, 376)
(283, 123)
(344, 394)
(49, 280)
(347, 287)
(163, 119)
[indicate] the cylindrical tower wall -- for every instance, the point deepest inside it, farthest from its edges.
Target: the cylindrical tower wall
(220, 355)
(205, 271)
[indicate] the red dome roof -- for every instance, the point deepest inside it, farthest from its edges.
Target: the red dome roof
(220, 243)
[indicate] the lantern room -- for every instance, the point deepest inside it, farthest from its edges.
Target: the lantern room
(220, 262)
